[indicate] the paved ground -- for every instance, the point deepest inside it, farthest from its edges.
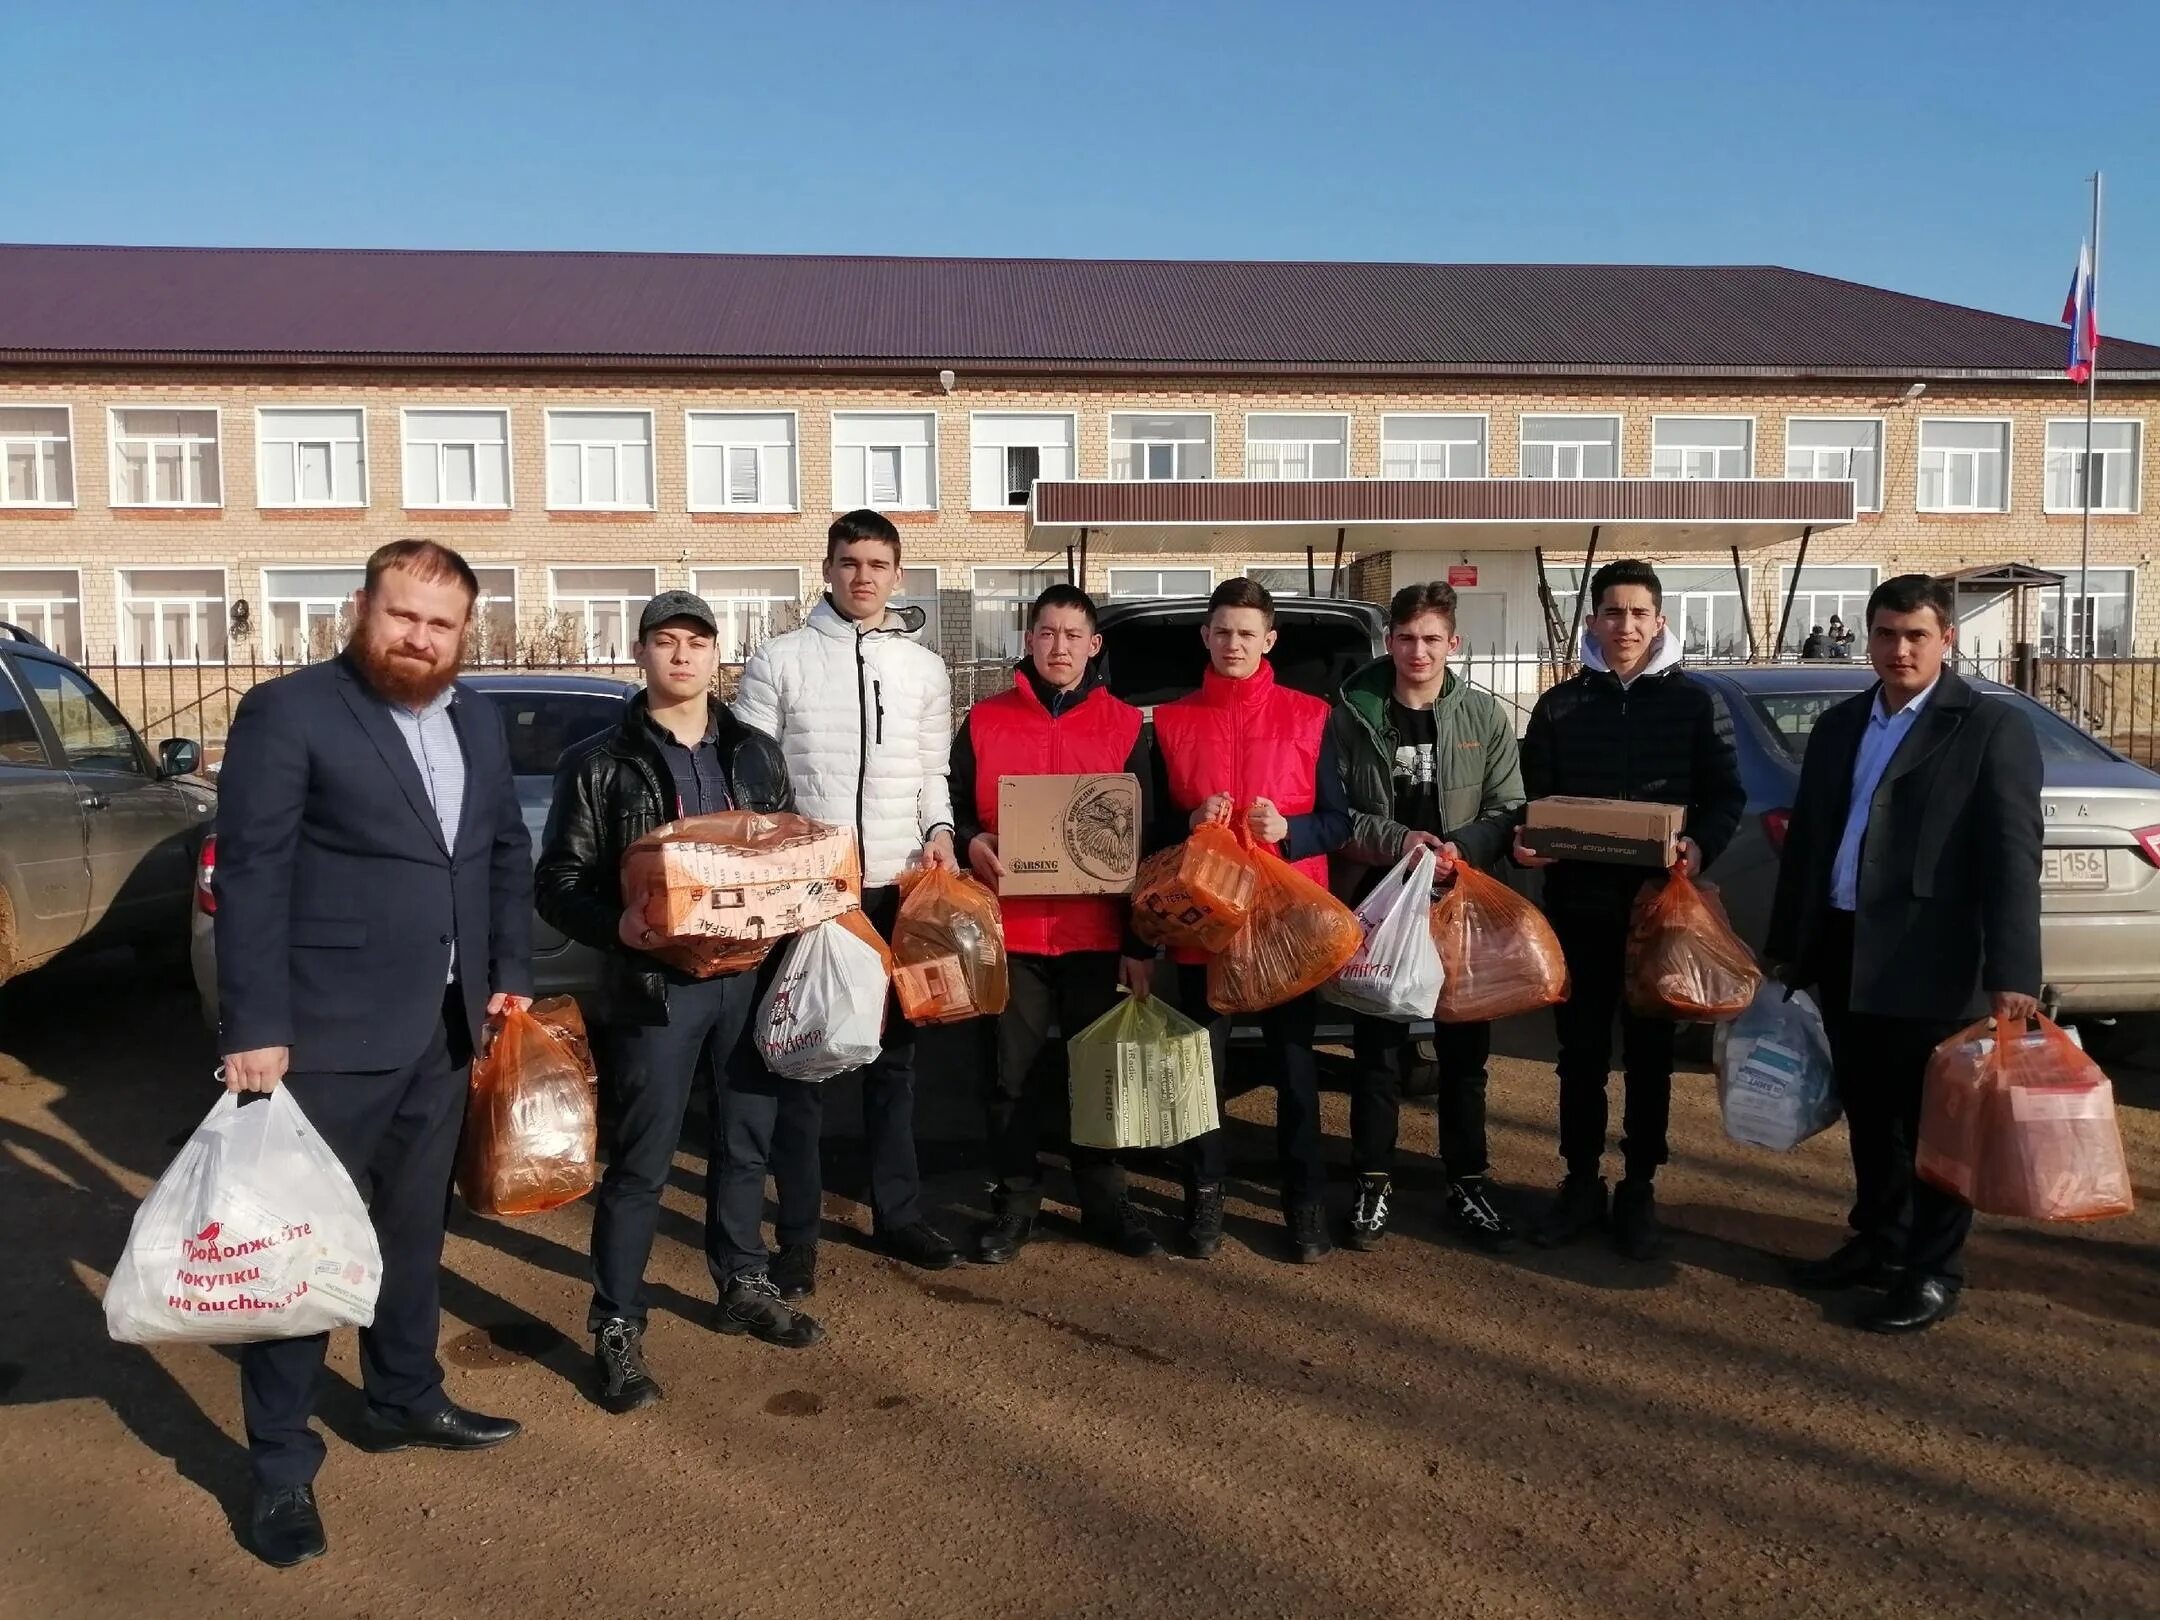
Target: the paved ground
(1421, 1431)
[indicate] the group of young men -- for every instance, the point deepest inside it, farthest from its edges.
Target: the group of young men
(1918, 815)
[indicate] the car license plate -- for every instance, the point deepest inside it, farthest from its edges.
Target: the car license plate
(2073, 869)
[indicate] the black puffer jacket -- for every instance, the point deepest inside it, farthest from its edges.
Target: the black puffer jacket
(608, 795)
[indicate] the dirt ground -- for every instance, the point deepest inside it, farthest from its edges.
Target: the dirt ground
(1421, 1431)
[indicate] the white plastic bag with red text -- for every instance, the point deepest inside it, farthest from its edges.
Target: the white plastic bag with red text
(824, 1013)
(1396, 972)
(254, 1232)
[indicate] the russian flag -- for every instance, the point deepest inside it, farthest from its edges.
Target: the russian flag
(2082, 319)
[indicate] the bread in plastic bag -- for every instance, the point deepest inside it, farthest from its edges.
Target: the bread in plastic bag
(1195, 895)
(948, 948)
(253, 1232)
(2021, 1122)
(1683, 958)
(1396, 972)
(1142, 1076)
(532, 1123)
(823, 1015)
(1498, 954)
(1297, 938)
(1776, 1084)
(741, 877)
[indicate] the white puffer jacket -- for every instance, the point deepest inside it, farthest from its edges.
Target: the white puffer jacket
(865, 721)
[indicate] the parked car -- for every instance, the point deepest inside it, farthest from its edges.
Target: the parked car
(97, 834)
(544, 716)
(1152, 651)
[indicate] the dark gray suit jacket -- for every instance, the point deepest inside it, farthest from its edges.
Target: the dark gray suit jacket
(337, 902)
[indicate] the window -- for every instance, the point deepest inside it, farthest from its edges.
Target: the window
(1288, 579)
(2115, 447)
(752, 605)
(599, 461)
(310, 457)
(165, 458)
(1146, 448)
(47, 602)
(1432, 447)
(1571, 447)
(884, 459)
(172, 615)
(1297, 445)
(1964, 466)
(1126, 582)
(37, 456)
(544, 726)
(742, 461)
(20, 743)
(307, 612)
(1009, 452)
(92, 735)
(919, 588)
(1705, 607)
(494, 635)
(1838, 447)
(602, 605)
(1002, 598)
(1702, 447)
(1825, 594)
(2099, 612)
(457, 458)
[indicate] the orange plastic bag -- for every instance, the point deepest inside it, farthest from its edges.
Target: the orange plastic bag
(1197, 894)
(1297, 937)
(564, 1019)
(531, 1123)
(1498, 954)
(949, 947)
(2021, 1122)
(1683, 958)
(739, 877)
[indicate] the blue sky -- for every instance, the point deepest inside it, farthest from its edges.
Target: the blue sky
(1937, 148)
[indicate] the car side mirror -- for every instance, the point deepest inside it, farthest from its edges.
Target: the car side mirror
(179, 756)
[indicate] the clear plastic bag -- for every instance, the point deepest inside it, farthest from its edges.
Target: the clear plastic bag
(1396, 972)
(532, 1123)
(948, 945)
(823, 1015)
(253, 1232)
(1776, 1085)
(1195, 895)
(1498, 954)
(1142, 1076)
(1683, 958)
(1298, 937)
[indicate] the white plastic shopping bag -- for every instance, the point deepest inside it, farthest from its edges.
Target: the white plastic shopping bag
(1396, 972)
(1775, 1082)
(824, 1012)
(254, 1232)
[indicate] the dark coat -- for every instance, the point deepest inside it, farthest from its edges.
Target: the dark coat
(337, 903)
(1949, 885)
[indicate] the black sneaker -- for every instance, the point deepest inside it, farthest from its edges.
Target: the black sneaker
(621, 1380)
(1636, 1230)
(921, 1245)
(753, 1306)
(1369, 1215)
(1012, 1223)
(1124, 1229)
(793, 1270)
(1471, 1211)
(1203, 1219)
(1309, 1243)
(1576, 1212)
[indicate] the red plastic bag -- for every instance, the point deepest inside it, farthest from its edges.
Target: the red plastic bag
(949, 947)
(1297, 937)
(531, 1124)
(1498, 954)
(1683, 958)
(1197, 894)
(2021, 1122)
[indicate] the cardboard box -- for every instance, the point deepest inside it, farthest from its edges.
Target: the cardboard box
(1615, 832)
(1069, 834)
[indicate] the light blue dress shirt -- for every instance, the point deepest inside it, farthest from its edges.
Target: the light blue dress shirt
(432, 737)
(1878, 746)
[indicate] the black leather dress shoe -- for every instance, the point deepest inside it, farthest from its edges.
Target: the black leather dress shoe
(284, 1528)
(451, 1429)
(1914, 1305)
(1859, 1263)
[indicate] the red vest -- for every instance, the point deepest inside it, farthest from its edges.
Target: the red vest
(1014, 735)
(1250, 739)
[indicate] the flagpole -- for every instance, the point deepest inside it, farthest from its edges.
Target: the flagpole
(2085, 640)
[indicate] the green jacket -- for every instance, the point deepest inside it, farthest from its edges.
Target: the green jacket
(1480, 776)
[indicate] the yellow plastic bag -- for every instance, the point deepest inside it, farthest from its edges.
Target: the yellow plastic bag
(948, 945)
(1196, 894)
(1298, 937)
(531, 1124)
(1143, 1076)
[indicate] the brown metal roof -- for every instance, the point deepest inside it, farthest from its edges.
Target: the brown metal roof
(317, 306)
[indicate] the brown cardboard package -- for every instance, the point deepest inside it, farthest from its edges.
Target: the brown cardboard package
(1069, 834)
(1616, 832)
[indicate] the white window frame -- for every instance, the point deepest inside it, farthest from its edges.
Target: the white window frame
(1678, 598)
(2136, 453)
(1072, 450)
(977, 601)
(262, 457)
(1801, 623)
(548, 446)
(1311, 445)
(74, 472)
(931, 635)
(793, 503)
(1619, 443)
(1882, 444)
(483, 567)
(2009, 456)
(113, 413)
(632, 605)
(1484, 444)
(1754, 428)
(1110, 588)
(405, 450)
(1110, 438)
(2078, 603)
(121, 603)
(262, 581)
(9, 565)
(721, 601)
(834, 449)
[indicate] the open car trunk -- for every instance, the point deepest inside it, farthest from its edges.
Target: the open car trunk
(1152, 651)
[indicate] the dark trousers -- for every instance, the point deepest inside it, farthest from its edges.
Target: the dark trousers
(1286, 1034)
(1595, 944)
(647, 1073)
(765, 1122)
(1383, 1049)
(1881, 1064)
(396, 1133)
(1070, 992)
